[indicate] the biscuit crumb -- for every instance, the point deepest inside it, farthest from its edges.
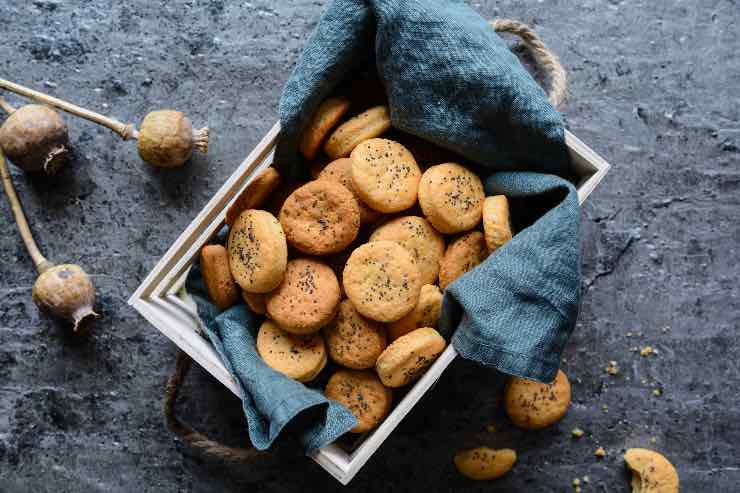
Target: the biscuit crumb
(490, 428)
(577, 433)
(634, 349)
(605, 408)
(646, 351)
(577, 484)
(585, 479)
(629, 334)
(600, 452)
(653, 440)
(666, 329)
(612, 368)
(657, 392)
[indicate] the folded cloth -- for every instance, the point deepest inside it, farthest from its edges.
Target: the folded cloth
(270, 399)
(450, 80)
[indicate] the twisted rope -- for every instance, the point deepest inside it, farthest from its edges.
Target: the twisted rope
(546, 60)
(192, 437)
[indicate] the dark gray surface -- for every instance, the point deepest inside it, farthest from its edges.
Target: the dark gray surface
(654, 88)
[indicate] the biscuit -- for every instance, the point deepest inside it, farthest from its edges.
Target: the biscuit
(496, 222)
(298, 357)
(420, 239)
(484, 463)
(307, 299)
(256, 302)
(451, 197)
(382, 281)
(352, 340)
(321, 217)
(349, 134)
(363, 394)
(651, 472)
(326, 117)
(424, 314)
(258, 252)
(214, 267)
(255, 194)
(406, 358)
(533, 405)
(385, 175)
(340, 170)
(462, 255)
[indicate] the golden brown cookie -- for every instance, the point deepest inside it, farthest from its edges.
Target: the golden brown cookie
(326, 117)
(406, 358)
(533, 405)
(352, 340)
(321, 217)
(255, 194)
(451, 197)
(424, 314)
(382, 281)
(462, 255)
(651, 472)
(340, 170)
(366, 125)
(385, 175)
(363, 394)
(214, 267)
(484, 463)
(496, 222)
(299, 357)
(307, 299)
(420, 239)
(256, 302)
(258, 252)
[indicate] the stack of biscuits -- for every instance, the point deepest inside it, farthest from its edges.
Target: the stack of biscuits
(351, 266)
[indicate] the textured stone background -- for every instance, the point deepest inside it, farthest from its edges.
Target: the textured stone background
(654, 88)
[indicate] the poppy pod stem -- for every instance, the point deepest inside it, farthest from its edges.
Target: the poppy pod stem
(6, 107)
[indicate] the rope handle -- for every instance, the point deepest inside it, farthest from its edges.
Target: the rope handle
(547, 61)
(554, 72)
(187, 434)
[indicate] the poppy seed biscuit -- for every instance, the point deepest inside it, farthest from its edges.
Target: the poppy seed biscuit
(420, 239)
(352, 340)
(532, 405)
(307, 299)
(363, 394)
(484, 463)
(214, 266)
(462, 255)
(326, 117)
(385, 175)
(382, 281)
(348, 135)
(258, 252)
(298, 357)
(406, 358)
(425, 313)
(340, 170)
(651, 472)
(321, 217)
(451, 197)
(496, 222)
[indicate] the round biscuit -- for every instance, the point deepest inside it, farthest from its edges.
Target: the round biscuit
(307, 299)
(382, 281)
(298, 357)
(451, 197)
(321, 217)
(385, 175)
(406, 358)
(258, 252)
(220, 284)
(367, 125)
(532, 405)
(420, 239)
(352, 340)
(496, 221)
(256, 302)
(425, 313)
(462, 255)
(363, 394)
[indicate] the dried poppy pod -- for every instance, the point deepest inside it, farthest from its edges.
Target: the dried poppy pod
(34, 138)
(166, 138)
(64, 290)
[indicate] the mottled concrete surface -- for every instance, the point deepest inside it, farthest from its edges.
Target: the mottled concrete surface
(654, 88)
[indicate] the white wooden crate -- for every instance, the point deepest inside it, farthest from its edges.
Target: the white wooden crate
(157, 298)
